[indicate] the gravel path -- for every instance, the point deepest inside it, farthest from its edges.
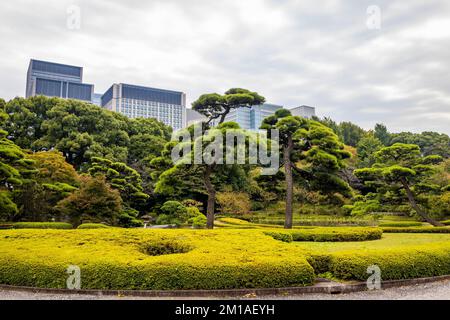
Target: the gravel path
(430, 291)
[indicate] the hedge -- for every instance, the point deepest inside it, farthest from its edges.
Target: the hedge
(42, 225)
(186, 259)
(325, 234)
(401, 224)
(446, 222)
(395, 264)
(119, 259)
(93, 226)
(418, 230)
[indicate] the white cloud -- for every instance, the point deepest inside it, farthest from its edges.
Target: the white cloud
(294, 52)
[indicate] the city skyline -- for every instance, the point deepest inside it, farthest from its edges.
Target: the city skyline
(324, 56)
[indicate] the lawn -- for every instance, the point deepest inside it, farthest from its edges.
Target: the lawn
(202, 259)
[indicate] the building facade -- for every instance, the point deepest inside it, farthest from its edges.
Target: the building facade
(133, 101)
(57, 80)
(304, 111)
(193, 117)
(251, 118)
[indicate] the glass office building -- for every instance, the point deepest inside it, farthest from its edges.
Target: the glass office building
(251, 118)
(133, 101)
(57, 80)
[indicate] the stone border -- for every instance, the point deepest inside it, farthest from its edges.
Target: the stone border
(322, 286)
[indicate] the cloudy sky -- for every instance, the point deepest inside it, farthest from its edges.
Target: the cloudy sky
(294, 52)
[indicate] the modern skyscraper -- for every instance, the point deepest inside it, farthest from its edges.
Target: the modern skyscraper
(251, 118)
(193, 117)
(133, 101)
(57, 80)
(304, 111)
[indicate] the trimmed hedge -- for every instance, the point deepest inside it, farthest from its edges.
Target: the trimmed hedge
(93, 226)
(42, 225)
(4, 226)
(324, 234)
(418, 230)
(115, 259)
(208, 259)
(446, 222)
(395, 264)
(401, 224)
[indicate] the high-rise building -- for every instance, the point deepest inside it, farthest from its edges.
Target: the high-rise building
(251, 118)
(57, 80)
(304, 111)
(133, 101)
(193, 117)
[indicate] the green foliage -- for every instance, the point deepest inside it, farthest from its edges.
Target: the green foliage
(236, 203)
(215, 106)
(122, 178)
(42, 225)
(81, 130)
(400, 224)
(395, 264)
(110, 258)
(351, 133)
(360, 208)
(94, 201)
(416, 230)
(8, 208)
(342, 234)
(401, 168)
(430, 143)
(93, 226)
(382, 134)
(366, 148)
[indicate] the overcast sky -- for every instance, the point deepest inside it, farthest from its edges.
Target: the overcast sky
(317, 53)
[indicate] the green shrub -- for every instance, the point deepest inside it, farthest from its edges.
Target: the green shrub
(199, 222)
(281, 236)
(93, 226)
(158, 260)
(401, 224)
(42, 225)
(4, 226)
(446, 222)
(418, 230)
(329, 234)
(395, 264)
(338, 234)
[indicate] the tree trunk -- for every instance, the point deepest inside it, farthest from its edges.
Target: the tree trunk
(211, 198)
(413, 203)
(224, 115)
(289, 184)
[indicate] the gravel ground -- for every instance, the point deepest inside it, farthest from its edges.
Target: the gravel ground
(430, 291)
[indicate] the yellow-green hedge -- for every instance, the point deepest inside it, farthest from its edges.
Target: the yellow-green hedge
(93, 226)
(418, 230)
(203, 259)
(406, 263)
(119, 259)
(42, 225)
(326, 234)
